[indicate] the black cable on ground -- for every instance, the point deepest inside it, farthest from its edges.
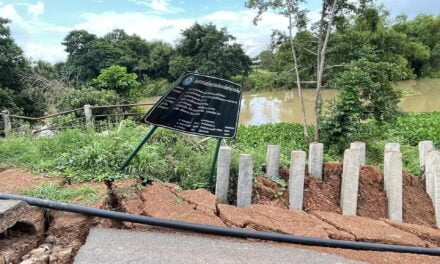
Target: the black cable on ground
(218, 230)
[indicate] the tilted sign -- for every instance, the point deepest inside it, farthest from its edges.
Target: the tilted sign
(199, 104)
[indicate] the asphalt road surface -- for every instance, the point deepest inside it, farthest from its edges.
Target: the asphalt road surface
(128, 246)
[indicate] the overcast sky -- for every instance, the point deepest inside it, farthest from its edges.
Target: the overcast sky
(39, 26)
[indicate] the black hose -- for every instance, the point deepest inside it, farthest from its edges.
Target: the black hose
(218, 230)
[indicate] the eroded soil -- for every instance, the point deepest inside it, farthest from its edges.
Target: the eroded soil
(64, 233)
(45, 236)
(372, 201)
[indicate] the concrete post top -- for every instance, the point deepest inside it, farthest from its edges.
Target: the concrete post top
(356, 143)
(393, 153)
(428, 142)
(245, 156)
(351, 151)
(225, 148)
(274, 146)
(298, 152)
(392, 147)
(5, 112)
(316, 144)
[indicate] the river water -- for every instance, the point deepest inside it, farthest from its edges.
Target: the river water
(284, 106)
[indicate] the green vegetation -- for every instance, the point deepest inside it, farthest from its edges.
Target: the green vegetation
(347, 48)
(412, 46)
(15, 93)
(79, 97)
(366, 94)
(115, 78)
(114, 68)
(408, 130)
(353, 46)
(175, 157)
(85, 194)
(209, 51)
(261, 80)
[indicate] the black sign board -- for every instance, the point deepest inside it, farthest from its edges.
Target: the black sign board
(199, 104)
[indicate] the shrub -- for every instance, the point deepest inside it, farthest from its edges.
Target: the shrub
(156, 87)
(117, 79)
(366, 94)
(7, 101)
(264, 80)
(79, 98)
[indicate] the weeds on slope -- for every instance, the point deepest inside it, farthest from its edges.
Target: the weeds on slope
(169, 156)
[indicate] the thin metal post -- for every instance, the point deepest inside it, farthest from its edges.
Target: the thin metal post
(138, 147)
(214, 162)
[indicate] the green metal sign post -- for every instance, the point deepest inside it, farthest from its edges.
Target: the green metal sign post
(196, 104)
(138, 147)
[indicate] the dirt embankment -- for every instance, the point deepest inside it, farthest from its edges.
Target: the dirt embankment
(64, 233)
(372, 201)
(47, 236)
(199, 206)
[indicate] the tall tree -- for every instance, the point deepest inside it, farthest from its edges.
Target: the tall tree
(333, 12)
(423, 43)
(208, 50)
(297, 20)
(78, 44)
(14, 94)
(88, 55)
(12, 61)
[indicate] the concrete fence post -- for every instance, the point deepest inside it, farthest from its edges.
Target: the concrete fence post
(389, 147)
(393, 174)
(88, 115)
(436, 195)
(7, 122)
(350, 181)
(432, 168)
(424, 148)
(362, 151)
(273, 161)
(392, 147)
(244, 186)
(316, 159)
(296, 179)
(223, 171)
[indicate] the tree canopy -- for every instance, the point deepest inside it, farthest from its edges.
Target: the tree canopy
(413, 45)
(208, 50)
(14, 95)
(88, 55)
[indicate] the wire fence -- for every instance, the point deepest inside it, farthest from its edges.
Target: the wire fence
(78, 117)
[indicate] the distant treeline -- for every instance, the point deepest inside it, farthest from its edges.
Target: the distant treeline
(121, 67)
(413, 46)
(116, 67)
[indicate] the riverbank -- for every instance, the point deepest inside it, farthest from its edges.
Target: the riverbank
(278, 104)
(169, 156)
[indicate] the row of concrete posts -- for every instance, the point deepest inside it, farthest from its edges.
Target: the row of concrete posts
(354, 158)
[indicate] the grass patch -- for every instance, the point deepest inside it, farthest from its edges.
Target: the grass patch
(83, 195)
(170, 156)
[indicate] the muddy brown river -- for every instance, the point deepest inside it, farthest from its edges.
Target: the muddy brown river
(284, 106)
